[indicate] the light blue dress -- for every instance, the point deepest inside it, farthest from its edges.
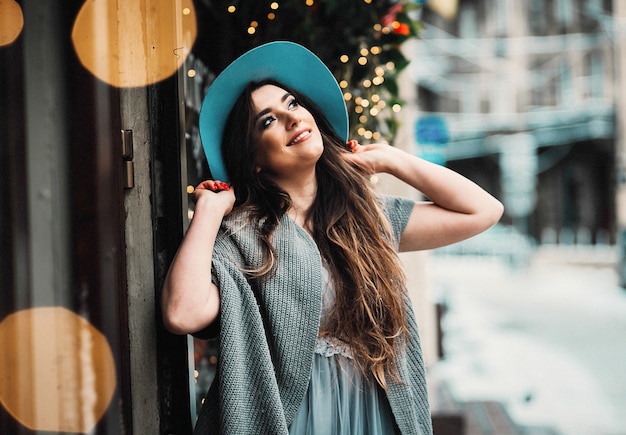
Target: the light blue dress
(340, 401)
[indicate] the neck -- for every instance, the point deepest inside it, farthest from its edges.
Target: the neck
(302, 189)
(302, 195)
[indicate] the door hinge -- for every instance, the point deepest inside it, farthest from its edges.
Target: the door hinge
(127, 159)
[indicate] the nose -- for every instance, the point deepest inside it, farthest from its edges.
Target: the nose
(292, 119)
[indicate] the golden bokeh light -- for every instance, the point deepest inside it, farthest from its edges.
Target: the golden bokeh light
(133, 43)
(11, 22)
(57, 371)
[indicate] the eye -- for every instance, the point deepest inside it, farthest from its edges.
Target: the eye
(265, 122)
(293, 103)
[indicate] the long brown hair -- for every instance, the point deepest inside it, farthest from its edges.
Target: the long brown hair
(350, 230)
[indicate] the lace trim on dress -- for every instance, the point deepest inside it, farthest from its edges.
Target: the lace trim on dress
(327, 345)
(330, 346)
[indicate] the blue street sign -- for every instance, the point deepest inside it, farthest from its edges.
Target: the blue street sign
(432, 136)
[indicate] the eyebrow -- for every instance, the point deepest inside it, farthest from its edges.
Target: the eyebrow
(268, 110)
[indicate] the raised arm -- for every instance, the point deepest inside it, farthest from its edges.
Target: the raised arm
(189, 299)
(458, 208)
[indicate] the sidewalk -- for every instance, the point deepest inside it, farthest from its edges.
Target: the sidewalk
(546, 341)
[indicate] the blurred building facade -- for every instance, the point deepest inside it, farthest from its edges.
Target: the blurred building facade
(520, 96)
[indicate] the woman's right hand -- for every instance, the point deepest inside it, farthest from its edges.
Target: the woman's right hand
(216, 193)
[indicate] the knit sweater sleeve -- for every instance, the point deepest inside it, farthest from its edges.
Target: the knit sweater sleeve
(398, 210)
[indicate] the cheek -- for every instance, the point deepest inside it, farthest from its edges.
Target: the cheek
(263, 152)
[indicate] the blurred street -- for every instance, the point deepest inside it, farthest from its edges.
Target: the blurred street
(547, 340)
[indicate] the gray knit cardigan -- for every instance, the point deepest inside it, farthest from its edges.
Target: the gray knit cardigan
(267, 332)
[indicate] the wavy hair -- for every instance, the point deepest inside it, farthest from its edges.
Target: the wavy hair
(349, 227)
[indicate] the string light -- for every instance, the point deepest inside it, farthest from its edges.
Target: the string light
(231, 9)
(252, 28)
(274, 6)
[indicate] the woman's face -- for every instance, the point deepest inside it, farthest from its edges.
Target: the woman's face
(289, 142)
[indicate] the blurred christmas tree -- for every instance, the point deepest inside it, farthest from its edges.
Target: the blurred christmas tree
(359, 40)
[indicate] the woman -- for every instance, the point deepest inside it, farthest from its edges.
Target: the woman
(293, 266)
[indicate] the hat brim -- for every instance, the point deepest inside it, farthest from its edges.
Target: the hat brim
(286, 62)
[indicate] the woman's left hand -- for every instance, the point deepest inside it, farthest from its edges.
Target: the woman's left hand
(372, 158)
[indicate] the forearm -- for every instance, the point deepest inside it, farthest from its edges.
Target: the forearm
(458, 208)
(441, 185)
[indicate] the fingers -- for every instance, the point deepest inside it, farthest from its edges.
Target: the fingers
(213, 185)
(353, 145)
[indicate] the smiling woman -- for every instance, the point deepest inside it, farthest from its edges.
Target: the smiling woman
(293, 266)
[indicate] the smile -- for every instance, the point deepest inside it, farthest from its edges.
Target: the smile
(300, 137)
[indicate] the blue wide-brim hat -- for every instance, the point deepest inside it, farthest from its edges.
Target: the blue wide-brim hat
(286, 62)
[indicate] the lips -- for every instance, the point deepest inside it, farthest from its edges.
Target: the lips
(299, 137)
